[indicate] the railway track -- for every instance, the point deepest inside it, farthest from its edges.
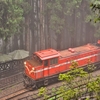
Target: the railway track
(4, 92)
(14, 95)
(22, 94)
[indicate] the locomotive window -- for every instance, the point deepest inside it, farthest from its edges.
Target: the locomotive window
(37, 59)
(54, 61)
(46, 63)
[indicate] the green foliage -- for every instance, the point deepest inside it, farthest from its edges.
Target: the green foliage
(58, 10)
(94, 87)
(95, 15)
(43, 92)
(95, 7)
(73, 74)
(11, 17)
(76, 83)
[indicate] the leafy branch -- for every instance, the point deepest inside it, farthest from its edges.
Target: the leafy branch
(12, 17)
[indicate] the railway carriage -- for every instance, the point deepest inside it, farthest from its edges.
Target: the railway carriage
(45, 66)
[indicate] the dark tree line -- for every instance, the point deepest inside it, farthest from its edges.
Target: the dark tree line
(57, 24)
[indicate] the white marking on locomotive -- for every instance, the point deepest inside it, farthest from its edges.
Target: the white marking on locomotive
(65, 63)
(31, 71)
(27, 67)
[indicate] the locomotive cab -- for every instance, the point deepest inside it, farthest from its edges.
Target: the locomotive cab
(41, 64)
(50, 58)
(31, 65)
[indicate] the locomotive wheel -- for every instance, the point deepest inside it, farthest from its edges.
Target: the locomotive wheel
(26, 83)
(33, 85)
(52, 81)
(40, 84)
(46, 82)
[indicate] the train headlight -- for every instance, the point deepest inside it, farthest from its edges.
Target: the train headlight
(32, 68)
(24, 63)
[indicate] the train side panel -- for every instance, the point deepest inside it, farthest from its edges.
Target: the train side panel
(83, 55)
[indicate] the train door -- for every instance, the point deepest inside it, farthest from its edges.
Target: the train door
(54, 66)
(46, 68)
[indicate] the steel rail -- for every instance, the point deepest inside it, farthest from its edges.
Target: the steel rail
(19, 93)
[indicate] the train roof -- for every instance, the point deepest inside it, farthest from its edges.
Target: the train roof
(78, 50)
(47, 54)
(51, 53)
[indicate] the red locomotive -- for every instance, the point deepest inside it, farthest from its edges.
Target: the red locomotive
(45, 66)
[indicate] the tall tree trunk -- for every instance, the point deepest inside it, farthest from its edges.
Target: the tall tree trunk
(27, 31)
(47, 26)
(42, 41)
(59, 40)
(15, 44)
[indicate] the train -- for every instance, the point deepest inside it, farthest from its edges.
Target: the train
(44, 67)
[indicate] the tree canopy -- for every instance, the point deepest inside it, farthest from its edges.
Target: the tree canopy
(95, 7)
(12, 17)
(58, 10)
